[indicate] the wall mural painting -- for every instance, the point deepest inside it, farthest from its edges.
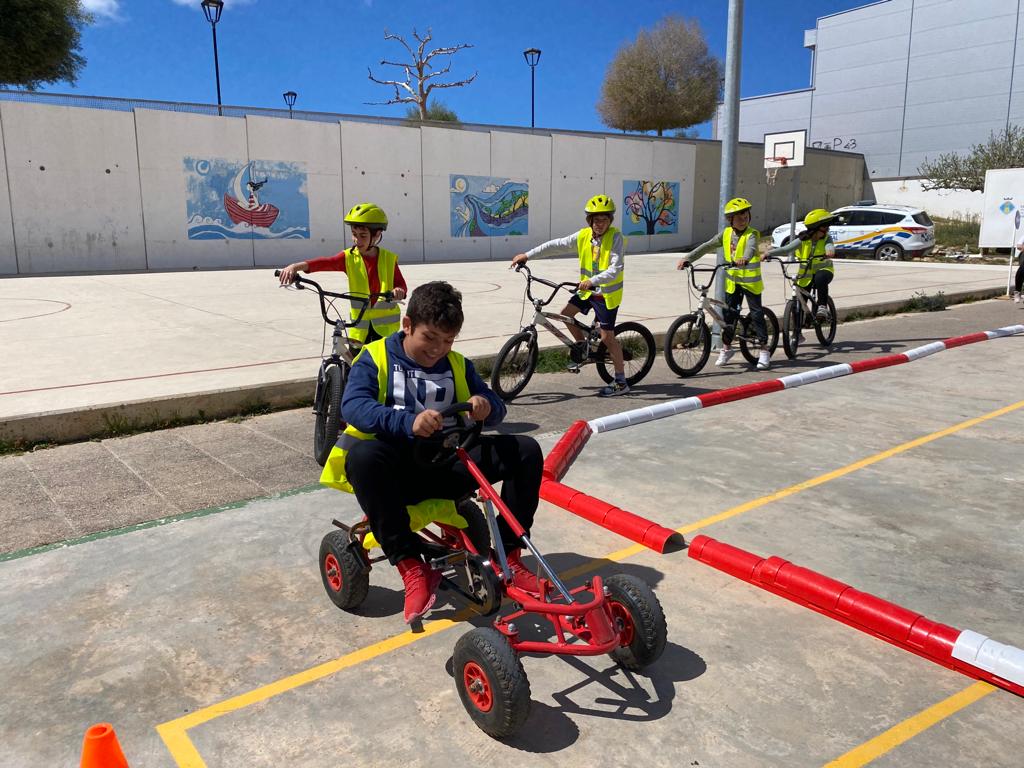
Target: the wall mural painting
(650, 207)
(484, 206)
(257, 200)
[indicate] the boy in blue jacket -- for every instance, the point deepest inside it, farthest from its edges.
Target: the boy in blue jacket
(396, 390)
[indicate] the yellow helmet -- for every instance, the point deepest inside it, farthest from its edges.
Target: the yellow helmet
(737, 205)
(600, 204)
(369, 215)
(819, 217)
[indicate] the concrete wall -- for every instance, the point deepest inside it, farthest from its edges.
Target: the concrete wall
(74, 189)
(75, 216)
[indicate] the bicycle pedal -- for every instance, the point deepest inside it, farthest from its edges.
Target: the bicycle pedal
(574, 368)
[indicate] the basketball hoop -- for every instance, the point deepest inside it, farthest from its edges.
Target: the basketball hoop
(772, 171)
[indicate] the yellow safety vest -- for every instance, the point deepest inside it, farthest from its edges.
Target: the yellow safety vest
(748, 276)
(821, 262)
(384, 316)
(333, 475)
(589, 266)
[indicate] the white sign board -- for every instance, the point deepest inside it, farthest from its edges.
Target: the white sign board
(1002, 220)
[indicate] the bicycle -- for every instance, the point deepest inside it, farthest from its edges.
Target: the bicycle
(517, 360)
(333, 373)
(688, 340)
(798, 316)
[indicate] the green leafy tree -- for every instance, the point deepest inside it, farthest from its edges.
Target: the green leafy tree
(40, 41)
(1004, 149)
(437, 110)
(664, 79)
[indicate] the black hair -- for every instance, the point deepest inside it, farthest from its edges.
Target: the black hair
(436, 303)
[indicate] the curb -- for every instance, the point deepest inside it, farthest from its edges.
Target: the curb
(74, 424)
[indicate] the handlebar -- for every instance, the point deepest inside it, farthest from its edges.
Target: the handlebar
(556, 287)
(300, 282)
(693, 275)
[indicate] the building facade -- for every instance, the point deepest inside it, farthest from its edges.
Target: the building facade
(902, 81)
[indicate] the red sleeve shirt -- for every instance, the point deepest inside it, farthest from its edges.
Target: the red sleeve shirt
(336, 263)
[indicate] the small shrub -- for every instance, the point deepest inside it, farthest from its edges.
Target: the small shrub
(922, 302)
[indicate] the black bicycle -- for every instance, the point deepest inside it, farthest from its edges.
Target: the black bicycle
(797, 315)
(688, 340)
(333, 373)
(517, 360)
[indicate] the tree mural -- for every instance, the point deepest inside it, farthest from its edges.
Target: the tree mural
(653, 202)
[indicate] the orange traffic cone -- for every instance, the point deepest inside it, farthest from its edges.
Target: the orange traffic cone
(100, 748)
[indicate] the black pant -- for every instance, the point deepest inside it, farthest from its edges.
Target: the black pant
(820, 282)
(1018, 280)
(733, 302)
(386, 478)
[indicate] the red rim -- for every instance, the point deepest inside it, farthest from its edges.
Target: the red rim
(624, 621)
(477, 687)
(332, 570)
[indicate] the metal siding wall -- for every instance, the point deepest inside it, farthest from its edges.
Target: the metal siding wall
(770, 114)
(1015, 111)
(8, 257)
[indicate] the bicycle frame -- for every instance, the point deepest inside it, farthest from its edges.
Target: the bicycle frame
(709, 306)
(797, 292)
(543, 318)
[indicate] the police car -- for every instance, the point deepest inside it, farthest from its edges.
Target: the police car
(885, 232)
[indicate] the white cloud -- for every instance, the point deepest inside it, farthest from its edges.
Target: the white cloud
(104, 8)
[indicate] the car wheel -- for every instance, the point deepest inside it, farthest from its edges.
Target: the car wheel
(889, 252)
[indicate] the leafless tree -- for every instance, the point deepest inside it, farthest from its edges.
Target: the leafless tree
(419, 72)
(1004, 149)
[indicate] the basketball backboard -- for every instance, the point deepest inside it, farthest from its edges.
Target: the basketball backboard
(785, 149)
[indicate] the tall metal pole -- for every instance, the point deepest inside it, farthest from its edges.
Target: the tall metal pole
(216, 68)
(730, 124)
(533, 80)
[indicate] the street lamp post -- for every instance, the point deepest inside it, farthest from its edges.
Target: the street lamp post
(213, 10)
(289, 99)
(532, 56)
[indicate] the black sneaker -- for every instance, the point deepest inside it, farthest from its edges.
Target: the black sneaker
(578, 352)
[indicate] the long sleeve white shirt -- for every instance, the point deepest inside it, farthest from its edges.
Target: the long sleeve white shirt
(567, 245)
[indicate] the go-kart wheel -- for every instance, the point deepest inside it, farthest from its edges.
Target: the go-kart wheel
(491, 682)
(640, 620)
(345, 578)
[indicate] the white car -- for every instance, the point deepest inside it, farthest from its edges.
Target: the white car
(886, 232)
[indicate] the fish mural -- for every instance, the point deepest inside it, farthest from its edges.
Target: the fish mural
(484, 206)
(250, 200)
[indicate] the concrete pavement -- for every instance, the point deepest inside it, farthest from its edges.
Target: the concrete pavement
(101, 354)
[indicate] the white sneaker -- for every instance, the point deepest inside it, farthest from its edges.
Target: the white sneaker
(764, 360)
(822, 313)
(724, 356)
(1016, 297)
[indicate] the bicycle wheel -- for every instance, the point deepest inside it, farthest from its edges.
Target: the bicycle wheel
(328, 411)
(687, 345)
(791, 328)
(826, 332)
(749, 345)
(514, 365)
(638, 350)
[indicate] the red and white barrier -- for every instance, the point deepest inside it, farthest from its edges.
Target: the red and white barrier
(686, 404)
(964, 651)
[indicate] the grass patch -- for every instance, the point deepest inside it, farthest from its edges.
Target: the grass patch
(923, 302)
(960, 233)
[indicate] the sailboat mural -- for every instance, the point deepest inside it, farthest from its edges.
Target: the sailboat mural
(249, 199)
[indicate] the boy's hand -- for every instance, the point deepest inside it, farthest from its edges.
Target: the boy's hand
(289, 273)
(519, 258)
(427, 423)
(805, 235)
(683, 263)
(585, 285)
(741, 262)
(398, 293)
(481, 407)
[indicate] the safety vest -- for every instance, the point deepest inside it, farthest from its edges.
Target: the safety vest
(589, 266)
(821, 262)
(384, 316)
(749, 275)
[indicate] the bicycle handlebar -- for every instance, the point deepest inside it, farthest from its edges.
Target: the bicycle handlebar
(323, 294)
(556, 287)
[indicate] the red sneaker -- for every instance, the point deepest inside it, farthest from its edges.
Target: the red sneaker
(522, 577)
(420, 587)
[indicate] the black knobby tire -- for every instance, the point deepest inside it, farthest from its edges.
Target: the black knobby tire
(687, 345)
(345, 578)
(328, 413)
(632, 601)
(827, 334)
(491, 682)
(476, 529)
(638, 351)
(791, 328)
(748, 346)
(514, 365)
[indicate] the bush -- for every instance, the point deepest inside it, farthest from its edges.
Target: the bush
(922, 302)
(958, 232)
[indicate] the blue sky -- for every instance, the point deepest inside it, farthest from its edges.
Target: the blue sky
(162, 49)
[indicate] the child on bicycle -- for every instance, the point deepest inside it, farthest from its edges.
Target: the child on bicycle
(396, 390)
(370, 270)
(601, 250)
(738, 245)
(814, 249)
(1018, 278)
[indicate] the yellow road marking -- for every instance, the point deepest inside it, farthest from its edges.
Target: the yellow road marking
(911, 727)
(174, 732)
